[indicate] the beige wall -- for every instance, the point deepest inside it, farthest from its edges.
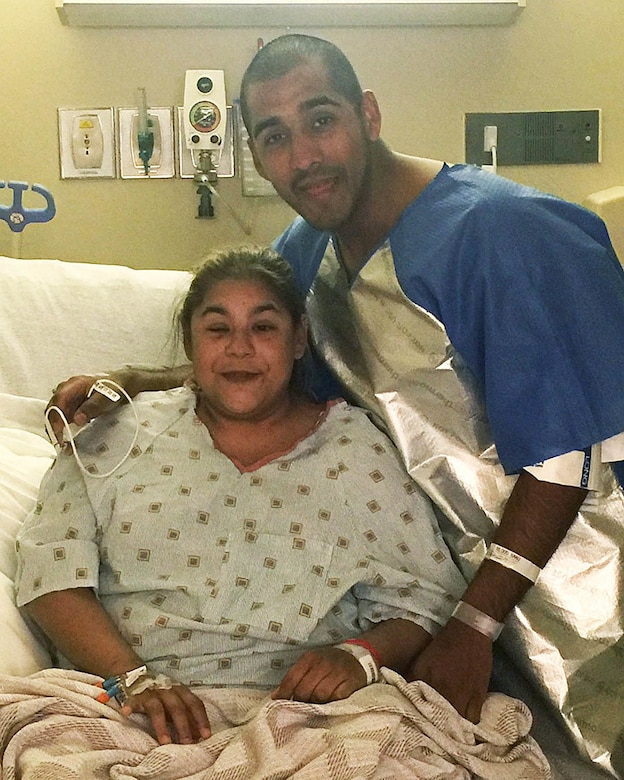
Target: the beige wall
(560, 54)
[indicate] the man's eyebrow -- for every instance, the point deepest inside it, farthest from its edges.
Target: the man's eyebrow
(271, 121)
(319, 100)
(274, 121)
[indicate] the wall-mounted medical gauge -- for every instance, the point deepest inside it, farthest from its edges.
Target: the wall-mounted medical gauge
(205, 109)
(205, 116)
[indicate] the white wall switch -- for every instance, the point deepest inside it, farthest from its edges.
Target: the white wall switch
(161, 164)
(86, 143)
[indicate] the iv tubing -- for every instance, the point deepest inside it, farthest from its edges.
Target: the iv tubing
(246, 228)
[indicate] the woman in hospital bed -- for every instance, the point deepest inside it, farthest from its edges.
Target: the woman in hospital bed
(252, 538)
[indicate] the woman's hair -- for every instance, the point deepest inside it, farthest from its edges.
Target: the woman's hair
(246, 264)
(281, 55)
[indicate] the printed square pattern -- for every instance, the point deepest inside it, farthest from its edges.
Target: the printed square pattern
(254, 561)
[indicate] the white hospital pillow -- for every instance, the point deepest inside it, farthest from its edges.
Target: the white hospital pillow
(59, 319)
(24, 458)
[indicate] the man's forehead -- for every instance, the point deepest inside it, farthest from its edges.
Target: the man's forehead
(301, 89)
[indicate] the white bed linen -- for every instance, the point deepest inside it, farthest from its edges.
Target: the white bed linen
(60, 319)
(24, 458)
(53, 727)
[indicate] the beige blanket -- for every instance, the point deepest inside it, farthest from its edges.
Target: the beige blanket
(52, 727)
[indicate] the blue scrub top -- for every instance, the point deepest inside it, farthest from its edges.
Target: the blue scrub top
(531, 294)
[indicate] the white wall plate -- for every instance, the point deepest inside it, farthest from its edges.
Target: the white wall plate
(162, 163)
(86, 147)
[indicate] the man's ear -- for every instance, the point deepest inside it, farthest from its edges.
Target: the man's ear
(256, 161)
(371, 115)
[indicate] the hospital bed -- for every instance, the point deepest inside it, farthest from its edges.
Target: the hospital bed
(58, 319)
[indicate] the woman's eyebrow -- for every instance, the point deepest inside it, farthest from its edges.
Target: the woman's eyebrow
(215, 308)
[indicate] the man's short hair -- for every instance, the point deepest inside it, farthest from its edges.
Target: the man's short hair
(283, 54)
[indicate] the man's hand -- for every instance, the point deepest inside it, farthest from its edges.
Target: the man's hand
(72, 396)
(458, 661)
(458, 664)
(177, 714)
(322, 675)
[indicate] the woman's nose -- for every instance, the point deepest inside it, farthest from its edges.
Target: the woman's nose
(239, 343)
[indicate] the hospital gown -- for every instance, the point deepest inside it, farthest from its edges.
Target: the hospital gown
(222, 576)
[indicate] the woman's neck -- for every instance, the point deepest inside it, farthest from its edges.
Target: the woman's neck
(247, 441)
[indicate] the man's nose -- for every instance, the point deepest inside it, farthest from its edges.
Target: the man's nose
(305, 151)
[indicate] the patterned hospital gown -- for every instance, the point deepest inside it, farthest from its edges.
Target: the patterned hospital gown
(222, 577)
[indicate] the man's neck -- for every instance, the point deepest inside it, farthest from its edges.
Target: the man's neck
(395, 181)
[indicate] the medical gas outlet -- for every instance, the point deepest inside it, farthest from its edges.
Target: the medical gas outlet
(205, 110)
(86, 143)
(159, 162)
(205, 119)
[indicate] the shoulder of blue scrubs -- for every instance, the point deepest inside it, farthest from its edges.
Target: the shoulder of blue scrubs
(303, 247)
(531, 294)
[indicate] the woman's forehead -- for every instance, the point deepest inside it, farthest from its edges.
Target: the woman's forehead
(246, 293)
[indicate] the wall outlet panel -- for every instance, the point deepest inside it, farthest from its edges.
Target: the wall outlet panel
(86, 143)
(162, 162)
(536, 137)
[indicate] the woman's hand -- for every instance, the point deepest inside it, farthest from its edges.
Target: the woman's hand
(72, 398)
(79, 626)
(322, 675)
(176, 713)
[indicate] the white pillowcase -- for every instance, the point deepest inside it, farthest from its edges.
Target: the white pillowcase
(60, 319)
(26, 414)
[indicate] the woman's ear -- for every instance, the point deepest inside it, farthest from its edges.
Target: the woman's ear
(301, 337)
(186, 340)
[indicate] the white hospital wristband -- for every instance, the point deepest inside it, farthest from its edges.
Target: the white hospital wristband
(512, 560)
(365, 659)
(478, 620)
